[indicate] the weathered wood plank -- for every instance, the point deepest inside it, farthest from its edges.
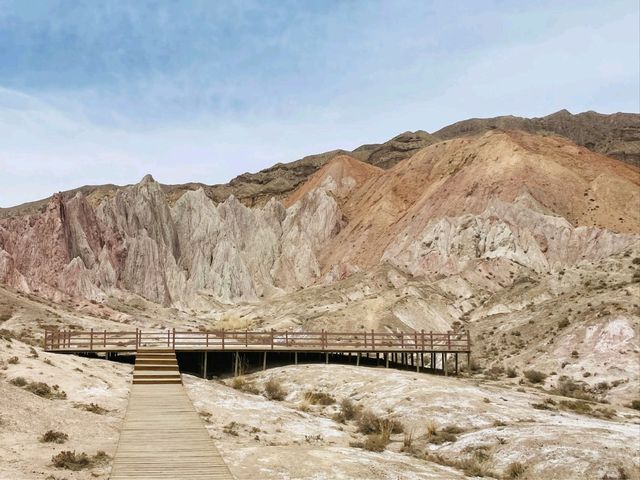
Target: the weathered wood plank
(163, 437)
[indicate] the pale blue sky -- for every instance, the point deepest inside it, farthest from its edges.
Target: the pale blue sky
(104, 92)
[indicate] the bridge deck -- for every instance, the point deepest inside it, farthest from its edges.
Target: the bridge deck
(164, 438)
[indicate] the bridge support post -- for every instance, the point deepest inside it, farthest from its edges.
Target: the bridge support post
(235, 364)
(204, 364)
(264, 361)
(386, 360)
(358, 359)
(469, 363)
(417, 364)
(326, 358)
(456, 356)
(444, 363)
(295, 358)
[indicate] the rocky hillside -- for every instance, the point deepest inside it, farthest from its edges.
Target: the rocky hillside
(538, 202)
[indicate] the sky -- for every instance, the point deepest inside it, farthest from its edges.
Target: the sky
(106, 92)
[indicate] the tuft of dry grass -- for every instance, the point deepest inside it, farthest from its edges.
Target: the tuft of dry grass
(515, 470)
(91, 407)
(46, 391)
(69, 460)
(18, 381)
(348, 411)
(315, 397)
(13, 360)
(53, 436)
(370, 423)
(274, 390)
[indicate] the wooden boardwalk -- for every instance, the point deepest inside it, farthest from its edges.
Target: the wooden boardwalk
(162, 436)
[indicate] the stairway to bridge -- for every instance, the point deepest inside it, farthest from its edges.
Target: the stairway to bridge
(162, 436)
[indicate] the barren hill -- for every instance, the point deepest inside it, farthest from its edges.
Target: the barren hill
(616, 135)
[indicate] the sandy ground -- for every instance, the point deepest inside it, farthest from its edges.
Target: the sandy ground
(277, 440)
(25, 417)
(267, 439)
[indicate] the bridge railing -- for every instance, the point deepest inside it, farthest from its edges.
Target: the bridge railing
(94, 340)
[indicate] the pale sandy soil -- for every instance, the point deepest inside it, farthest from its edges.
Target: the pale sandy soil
(24, 416)
(278, 440)
(261, 438)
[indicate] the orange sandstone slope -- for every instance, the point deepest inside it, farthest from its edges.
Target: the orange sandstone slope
(549, 179)
(340, 176)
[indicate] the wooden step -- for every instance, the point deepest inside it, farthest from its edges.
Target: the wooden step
(156, 361)
(172, 368)
(151, 381)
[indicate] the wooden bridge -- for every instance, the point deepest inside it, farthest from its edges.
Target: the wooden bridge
(405, 349)
(162, 436)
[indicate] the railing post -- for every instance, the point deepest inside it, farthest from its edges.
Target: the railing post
(174, 338)
(45, 340)
(207, 336)
(365, 339)
(104, 339)
(272, 339)
(246, 338)
(222, 338)
(402, 340)
(322, 342)
(422, 340)
(168, 338)
(373, 340)
(468, 341)
(91, 340)
(449, 341)
(286, 338)
(137, 339)
(431, 339)
(415, 340)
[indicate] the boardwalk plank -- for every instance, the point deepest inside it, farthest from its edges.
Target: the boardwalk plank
(163, 437)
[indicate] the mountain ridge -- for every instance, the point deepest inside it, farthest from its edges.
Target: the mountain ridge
(616, 135)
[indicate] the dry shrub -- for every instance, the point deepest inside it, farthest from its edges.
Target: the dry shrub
(274, 390)
(45, 391)
(370, 423)
(446, 434)
(534, 376)
(18, 381)
(78, 461)
(472, 467)
(635, 404)
(92, 407)
(13, 360)
(515, 470)
(52, 436)
(240, 383)
(316, 397)
(376, 442)
(348, 411)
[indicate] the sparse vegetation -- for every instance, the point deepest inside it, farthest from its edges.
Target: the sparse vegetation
(348, 411)
(231, 428)
(274, 390)
(52, 436)
(444, 435)
(316, 397)
(635, 404)
(535, 376)
(368, 423)
(515, 470)
(69, 460)
(13, 360)
(46, 391)
(92, 407)
(18, 381)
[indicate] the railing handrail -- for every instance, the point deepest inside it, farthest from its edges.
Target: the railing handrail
(61, 340)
